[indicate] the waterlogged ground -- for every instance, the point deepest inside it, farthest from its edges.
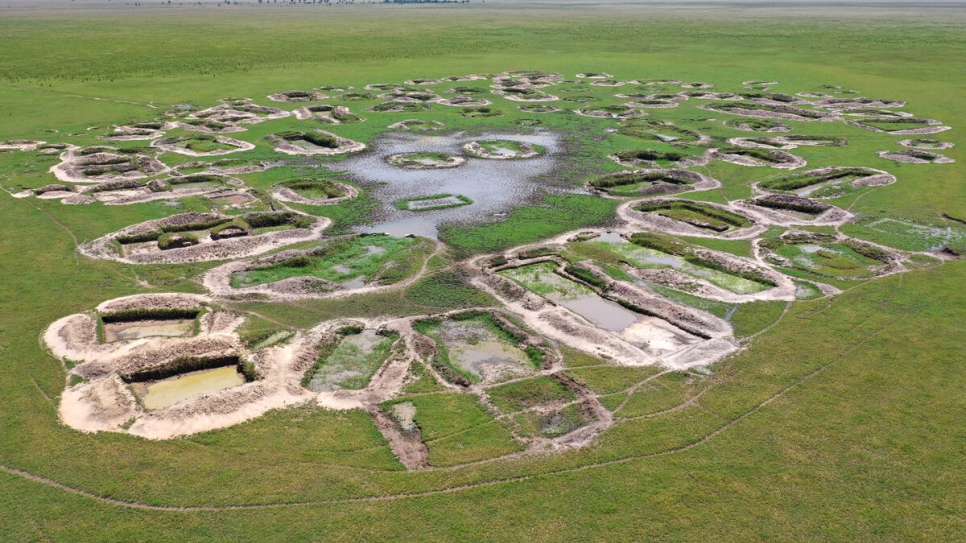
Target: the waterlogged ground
(475, 347)
(644, 258)
(352, 363)
(355, 263)
(494, 186)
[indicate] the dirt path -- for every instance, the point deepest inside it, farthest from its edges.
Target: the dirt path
(58, 223)
(391, 497)
(81, 96)
(788, 305)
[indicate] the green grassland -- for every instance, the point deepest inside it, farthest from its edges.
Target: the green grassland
(841, 422)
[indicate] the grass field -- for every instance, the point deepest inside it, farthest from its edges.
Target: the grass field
(842, 421)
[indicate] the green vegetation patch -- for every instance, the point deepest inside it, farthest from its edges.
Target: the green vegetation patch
(837, 176)
(432, 202)
(552, 423)
(893, 124)
(654, 130)
(315, 138)
(697, 214)
(605, 380)
(662, 157)
(376, 259)
(662, 393)
(316, 189)
(908, 234)
(824, 257)
(447, 289)
(202, 143)
(656, 251)
(753, 317)
(457, 429)
(526, 224)
(520, 395)
(480, 112)
(174, 240)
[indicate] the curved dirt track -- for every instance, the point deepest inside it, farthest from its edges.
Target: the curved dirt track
(390, 497)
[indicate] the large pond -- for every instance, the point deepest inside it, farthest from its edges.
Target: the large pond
(494, 186)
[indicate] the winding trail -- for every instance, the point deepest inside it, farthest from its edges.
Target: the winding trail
(391, 497)
(745, 340)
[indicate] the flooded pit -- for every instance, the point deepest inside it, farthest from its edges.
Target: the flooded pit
(167, 392)
(118, 331)
(652, 333)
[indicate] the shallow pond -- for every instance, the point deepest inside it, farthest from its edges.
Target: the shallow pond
(475, 347)
(117, 331)
(161, 394)
(494, 186)
(490, 360)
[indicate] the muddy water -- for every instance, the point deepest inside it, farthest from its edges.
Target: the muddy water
(490, 360)
(355, 282)
(161, 394)
(610, 237)
(476, 348)
(495, 186)
(117, 331)
(654, 334)
(603, 313)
